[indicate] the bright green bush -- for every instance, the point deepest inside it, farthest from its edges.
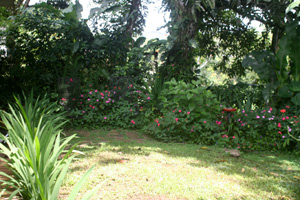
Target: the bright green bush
(189, 114)
(33, 149)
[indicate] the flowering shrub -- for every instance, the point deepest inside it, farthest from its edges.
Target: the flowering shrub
(265, 129)
(110, 107)
(189, 113)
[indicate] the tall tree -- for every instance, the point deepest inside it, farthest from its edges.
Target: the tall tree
(220, 28)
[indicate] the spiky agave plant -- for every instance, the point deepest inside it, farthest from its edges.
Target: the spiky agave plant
(33, 149)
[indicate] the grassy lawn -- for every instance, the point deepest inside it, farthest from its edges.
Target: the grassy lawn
(132, 166)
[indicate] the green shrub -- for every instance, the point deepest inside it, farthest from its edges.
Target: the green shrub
(189, 113)
(33, 149)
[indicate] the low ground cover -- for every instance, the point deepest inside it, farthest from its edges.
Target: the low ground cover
(129, 165)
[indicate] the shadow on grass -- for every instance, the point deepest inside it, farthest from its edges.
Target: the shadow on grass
(258, 168)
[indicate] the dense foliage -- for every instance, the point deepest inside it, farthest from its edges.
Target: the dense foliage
(105, 75)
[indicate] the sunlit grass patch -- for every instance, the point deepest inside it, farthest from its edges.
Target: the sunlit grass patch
(130, 166)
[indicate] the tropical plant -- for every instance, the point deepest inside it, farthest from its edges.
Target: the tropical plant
(34, 148)
(281, 71)
(188, 113)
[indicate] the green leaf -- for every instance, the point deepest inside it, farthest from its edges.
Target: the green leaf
(292, 6)
(192, 106)
(139, 41)
(189, 96)
(284, 92)
(294, 86)
(79, 185)
(76, 47)
(296, 99)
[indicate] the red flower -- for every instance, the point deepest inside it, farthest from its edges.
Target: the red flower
(283, 110)
(279, 125)
(287, 106)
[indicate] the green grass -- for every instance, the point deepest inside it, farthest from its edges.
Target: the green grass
(155, 170)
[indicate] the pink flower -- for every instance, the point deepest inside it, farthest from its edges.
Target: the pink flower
(192, 130)
(287, 117)
(96, 90)
(71, 79)
(107, 101)
(246, 115)
(102, 94)
(204, 122)
(283, 118)
(233, 137)
(158, 124)
(279, 125)
(148, 98)
(83, 111)
(173, 111)
(223, 136)
(179, 111)
(93, 107)
(89, 99)
(257, 117)
(81, 95)
(220, 105)
(283, 136)
(279, 132)
(105, 117)
(102, 97)
(132, 121)
(188, 113)
(90, 85)
(80, 102)
(90, 92)
(287, 106)
(63, 99)
(176, 119)
(130, 110)
(97, 99)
